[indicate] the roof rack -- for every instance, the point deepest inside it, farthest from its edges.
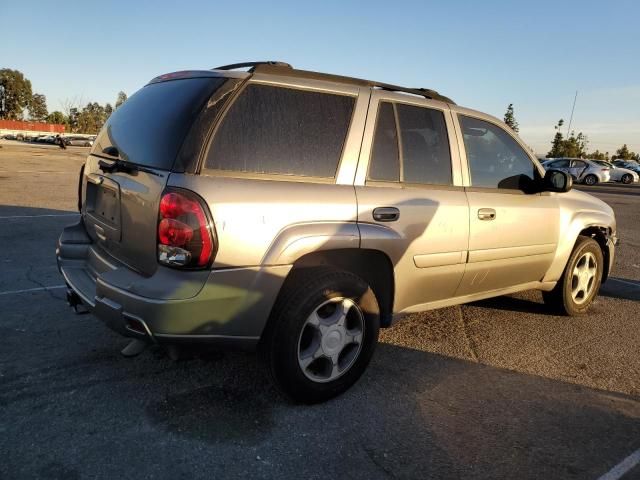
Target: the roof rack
(253, 65)
(276, 66)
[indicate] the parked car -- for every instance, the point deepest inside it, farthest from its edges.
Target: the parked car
(582, 170)
(50, 139)
(78, 141)
(298, 212)
(628, 164)
(619, 174)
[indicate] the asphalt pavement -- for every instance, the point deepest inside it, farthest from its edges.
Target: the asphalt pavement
(494, 389)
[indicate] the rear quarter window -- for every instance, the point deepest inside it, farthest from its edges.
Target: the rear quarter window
(282, 131)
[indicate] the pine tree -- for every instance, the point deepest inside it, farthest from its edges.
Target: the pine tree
(557, 145)
(510, 119)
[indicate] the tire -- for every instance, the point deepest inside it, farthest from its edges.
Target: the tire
(299, 355)
(626, 179)
(563, 299)
(590, 180)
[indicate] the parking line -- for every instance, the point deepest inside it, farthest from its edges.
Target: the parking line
(623, 467)
(625, 282)
(39, 216)
(27, 290)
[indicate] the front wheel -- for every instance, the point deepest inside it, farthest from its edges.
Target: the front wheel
(580, 282)
(590, 180)
(322, 334)
(626, 179)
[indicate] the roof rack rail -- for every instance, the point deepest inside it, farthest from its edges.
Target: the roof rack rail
(235, 66)
(421, 92)
(274, 66)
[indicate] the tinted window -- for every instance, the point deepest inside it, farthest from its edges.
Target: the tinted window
(282, 131)
(579, 164)
(148, 129)
(384, 163)
(425, 145)
(496, 160)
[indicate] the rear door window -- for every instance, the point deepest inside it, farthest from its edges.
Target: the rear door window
(425, 145)
(385, 161)
(282, 131)
(419, 154)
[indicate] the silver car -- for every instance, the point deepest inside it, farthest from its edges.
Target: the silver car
(582, 170)
(619, 174)
(299, 212)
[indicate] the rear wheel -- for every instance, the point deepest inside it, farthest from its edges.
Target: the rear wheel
(580, 282)
(626, 178)
(322, 334)
(590, 179)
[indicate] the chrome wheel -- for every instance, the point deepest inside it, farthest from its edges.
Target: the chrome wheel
(583, 278)
(590, 180)
(331, 339)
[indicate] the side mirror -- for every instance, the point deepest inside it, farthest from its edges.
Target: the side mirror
(557, 181)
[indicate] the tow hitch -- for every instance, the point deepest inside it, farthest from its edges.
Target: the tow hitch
(73, 299)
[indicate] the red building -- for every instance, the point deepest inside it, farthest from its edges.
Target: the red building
(31, 126)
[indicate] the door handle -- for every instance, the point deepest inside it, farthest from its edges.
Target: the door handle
(386, 214)
(486, 214)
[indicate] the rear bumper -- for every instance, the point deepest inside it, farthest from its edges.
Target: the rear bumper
(228, 307)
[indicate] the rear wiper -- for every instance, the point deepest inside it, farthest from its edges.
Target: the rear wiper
(118, 165)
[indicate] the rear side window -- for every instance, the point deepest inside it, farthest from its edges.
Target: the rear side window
(282, 131)
(385, 162)
(425, 145)
(420, 154)
(148, 129)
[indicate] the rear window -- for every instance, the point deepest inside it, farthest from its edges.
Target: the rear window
(282, 131)
(148, 129)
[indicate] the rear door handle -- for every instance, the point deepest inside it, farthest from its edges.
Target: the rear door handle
(386, 214)
(486, 214)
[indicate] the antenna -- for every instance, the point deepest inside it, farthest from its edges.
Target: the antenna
(572, 109)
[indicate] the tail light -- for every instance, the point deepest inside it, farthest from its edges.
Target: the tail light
(186, 237)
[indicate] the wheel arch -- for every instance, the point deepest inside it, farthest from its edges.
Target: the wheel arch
(598, 229)
(373, 266)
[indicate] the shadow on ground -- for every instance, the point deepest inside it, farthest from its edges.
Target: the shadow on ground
(73, 407)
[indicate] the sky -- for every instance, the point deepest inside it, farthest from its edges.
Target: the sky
(484, 55)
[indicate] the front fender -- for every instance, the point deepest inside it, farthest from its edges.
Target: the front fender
(569, 235)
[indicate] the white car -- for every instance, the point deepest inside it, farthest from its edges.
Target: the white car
(619, 174)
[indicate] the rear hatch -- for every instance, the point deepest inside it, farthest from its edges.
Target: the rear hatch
(130, 163)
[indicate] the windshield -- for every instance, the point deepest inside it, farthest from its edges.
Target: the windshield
(148, 129)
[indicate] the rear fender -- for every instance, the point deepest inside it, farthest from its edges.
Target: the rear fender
(298, 240)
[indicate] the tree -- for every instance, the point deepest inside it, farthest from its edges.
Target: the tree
(624, 153)
(57, 117)
(557, 144)
(17, 93)
(108, 110)
(598, 155)
(38, 107)
(122, 97)
(510, 119)
(575, 146)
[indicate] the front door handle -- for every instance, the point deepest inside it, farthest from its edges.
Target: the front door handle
(486, 214)
(386, 214)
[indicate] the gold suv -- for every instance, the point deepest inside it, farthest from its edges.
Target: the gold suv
(299, 212)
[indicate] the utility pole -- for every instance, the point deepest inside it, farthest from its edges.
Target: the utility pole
(572, 109)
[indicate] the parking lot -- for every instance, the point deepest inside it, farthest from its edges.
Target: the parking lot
(494, 389)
